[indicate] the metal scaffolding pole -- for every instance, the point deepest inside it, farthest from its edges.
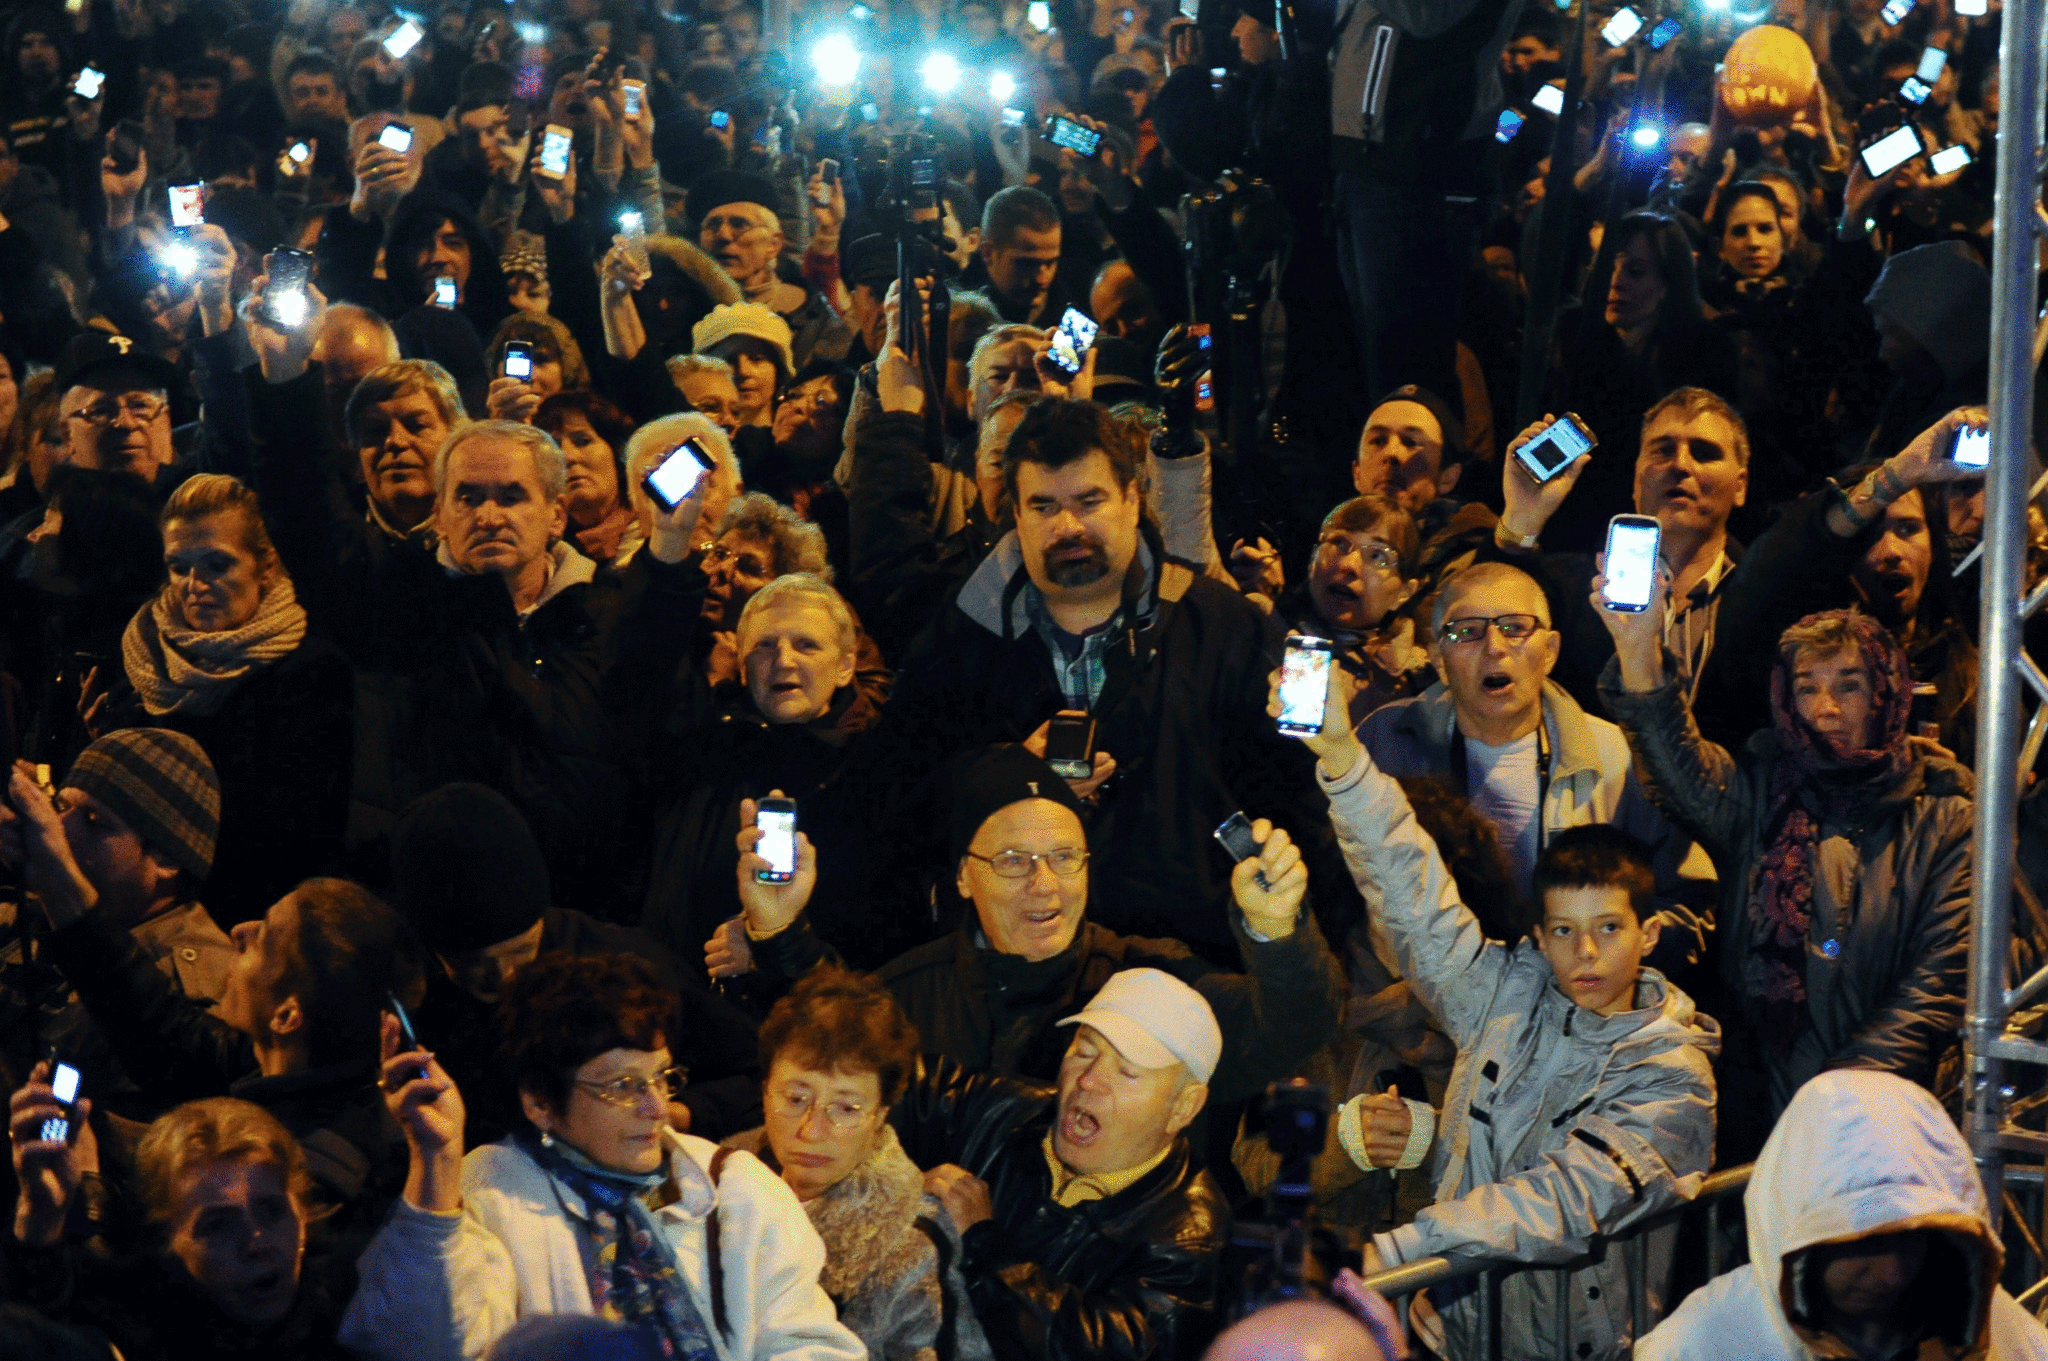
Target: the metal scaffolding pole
(1988, 1037)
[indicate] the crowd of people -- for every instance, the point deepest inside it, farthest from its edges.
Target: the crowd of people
(653, 698)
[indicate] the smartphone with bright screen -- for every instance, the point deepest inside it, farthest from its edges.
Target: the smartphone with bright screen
(1931, 63)
(1039, 14)
(1914, 91)
(1973, 9)
(1554, 448)
(1631, 563)
(1667, 28)
(1065, 132)
(444, 292)
(518, 362)
(1625, 24)
(1895, 11)
(285, 294)
(677, 475)
(188, 205)
(300, 152)
(1891, 151)
(554, 150)
(396, 136)
(1550, 99)
(632, 90)
(1191, 10)
(1970, 447)
(1509, 123)
(1070, 341)
(64, 1086)
(1013, 118)
(1304, 683)
(1948, 160)
(777, 820)
(403, 39)
(89, 84)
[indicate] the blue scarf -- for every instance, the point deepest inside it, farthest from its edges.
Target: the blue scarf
(634, 1277)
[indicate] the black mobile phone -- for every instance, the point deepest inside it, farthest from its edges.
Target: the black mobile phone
(518, 360)
(1892, 150)
(1070, 341)
(285, 297)
(1631, 572)
(677, 475)
(64, 1086)
(1070, 744)
(828, 170)
(1970, 446)
(396, 136)
(405, 1030)
(1304, 684)
(1914, 91)
(777, 820)
(1065, 132)
(1554, 448)
(444, 291)
(1235, 835)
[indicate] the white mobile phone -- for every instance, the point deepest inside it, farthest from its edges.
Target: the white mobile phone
(1891, 151)
(1549, 98)
(777, 820)
(1631, 571)
(1625, 24)
(403, 39)
(188, 205)
(1931, 62)
(633, 90)
(554, 151)
(1304, 684)
(1970, 447)
(1949, 159)
(397, 137)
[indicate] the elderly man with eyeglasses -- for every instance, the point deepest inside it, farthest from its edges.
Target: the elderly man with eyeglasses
(1501, 732)
(115, 410)
(737, 226)
(991, 994)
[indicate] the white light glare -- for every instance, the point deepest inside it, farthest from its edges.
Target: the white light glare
(941, 73)
(1001, 86)
(836, 60)
(290, 308)
(181, 258)
(1646, 136)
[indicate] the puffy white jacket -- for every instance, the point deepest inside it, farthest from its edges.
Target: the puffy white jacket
(1856, 1153)
(438, 1287)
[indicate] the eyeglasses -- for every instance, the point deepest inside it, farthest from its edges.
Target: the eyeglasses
(738, 226)
(1064, 862)
(629, 1092)
(140, 409)
(746, 564)
(1336, 548)
(1516, 628)
(794, 1103)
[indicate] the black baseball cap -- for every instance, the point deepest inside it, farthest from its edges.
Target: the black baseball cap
(94, 352)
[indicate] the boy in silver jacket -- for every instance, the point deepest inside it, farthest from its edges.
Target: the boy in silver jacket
(1582, 1102)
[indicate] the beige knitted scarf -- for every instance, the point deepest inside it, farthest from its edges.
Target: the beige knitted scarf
(177, 670)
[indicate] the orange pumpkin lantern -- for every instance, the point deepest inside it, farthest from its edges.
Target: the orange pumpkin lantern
(1768, 76)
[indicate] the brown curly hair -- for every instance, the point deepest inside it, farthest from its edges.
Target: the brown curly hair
(561, 1011)
(838, 1021)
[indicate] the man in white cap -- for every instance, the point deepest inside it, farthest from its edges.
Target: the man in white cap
(1087, 1228)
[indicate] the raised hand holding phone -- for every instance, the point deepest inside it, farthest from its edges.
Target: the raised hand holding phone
(428, 1107)
(1335, 744)
(1530, 499)
(48, 1169)
(770, 905)
(1638, 634)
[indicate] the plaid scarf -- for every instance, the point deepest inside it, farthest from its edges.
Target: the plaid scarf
(633, 1277)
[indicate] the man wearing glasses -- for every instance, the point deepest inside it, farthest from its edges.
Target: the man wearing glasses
(737, 226)
(115, 410)
(991, 994)
(1501, 732)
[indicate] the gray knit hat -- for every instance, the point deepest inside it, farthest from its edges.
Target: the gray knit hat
(162, 785)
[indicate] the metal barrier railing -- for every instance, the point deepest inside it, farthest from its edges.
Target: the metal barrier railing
(1400, 1283)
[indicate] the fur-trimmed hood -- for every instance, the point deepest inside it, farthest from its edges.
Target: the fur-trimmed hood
(685, 286)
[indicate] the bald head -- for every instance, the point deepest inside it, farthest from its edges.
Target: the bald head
(353, 340)
(1124, 306)
(1297, 1330)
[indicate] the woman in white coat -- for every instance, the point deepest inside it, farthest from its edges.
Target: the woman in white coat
(598, 1208)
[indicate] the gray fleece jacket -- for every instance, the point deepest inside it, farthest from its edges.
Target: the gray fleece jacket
(1559, 1126)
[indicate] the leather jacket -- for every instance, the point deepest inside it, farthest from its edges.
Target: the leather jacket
(1126, 1277)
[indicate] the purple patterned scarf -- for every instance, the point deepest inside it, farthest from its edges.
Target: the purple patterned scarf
(1813, 780)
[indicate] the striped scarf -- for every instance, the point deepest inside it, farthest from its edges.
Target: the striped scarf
(177, 670)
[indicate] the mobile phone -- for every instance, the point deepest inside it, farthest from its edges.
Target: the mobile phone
(1931, 63)
(1070, 744)
(285, 296)
(300, 152)
(554, 151)
(124, 147)
(632, 90)
(677, 475)
(828, 170)
(1914, 91)
(1127, 17)
(1039, 15)
(89, 83)
(1508, 124)
(444, 291)
(1201, 331)
(1667, 28)
(1235, 835)
(396, 136)
(1304, 684)
(1549, 98)
(188, 205)
(1973, 9)
(1625, 24)
(1554, 448)
(1891, 151)
(1070, 341)
(1949, 159)
(405, 1030)
(1205, 394)
(1065, 132)
(633, 226)
(1895, 11)
(1191, 10)
(1631, 571)
(63, 1086)
(777, 820)
(721, 119)
(1013, 118)
(403, 39)
(518, 360)
(1970, 446)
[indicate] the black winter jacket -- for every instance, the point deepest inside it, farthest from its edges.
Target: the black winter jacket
(1127, 1277)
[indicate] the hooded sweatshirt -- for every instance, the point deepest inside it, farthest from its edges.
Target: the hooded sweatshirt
(1857, 1153)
